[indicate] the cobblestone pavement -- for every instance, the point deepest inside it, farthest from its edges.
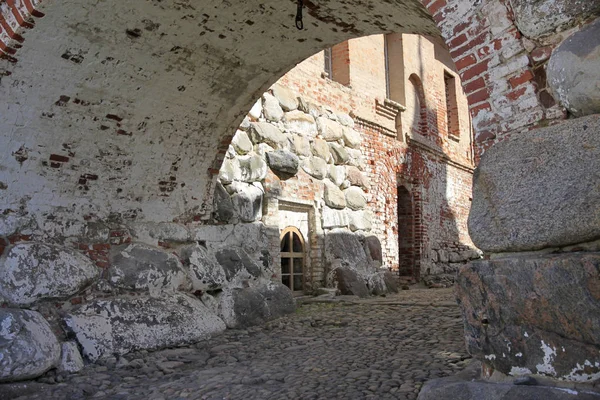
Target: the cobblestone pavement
(383, 348)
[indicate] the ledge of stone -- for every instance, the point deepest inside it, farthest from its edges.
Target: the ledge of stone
(535, 314)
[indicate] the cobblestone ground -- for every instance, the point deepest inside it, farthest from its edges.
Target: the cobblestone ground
(383, 348)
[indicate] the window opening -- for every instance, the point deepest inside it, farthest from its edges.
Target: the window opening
(292, 259)
(328, 67)
(420, 108)
(452, 124)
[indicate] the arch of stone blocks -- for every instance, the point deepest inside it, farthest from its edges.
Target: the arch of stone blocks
(125, 110)
(122, 111)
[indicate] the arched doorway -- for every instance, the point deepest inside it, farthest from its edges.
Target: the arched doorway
(406, 235)
(292, 259)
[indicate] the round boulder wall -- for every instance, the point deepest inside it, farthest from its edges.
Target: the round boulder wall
(243, 307)
(28, 347)
(141, 267)
(124, 324)
(205, 272)
(574, 71)
(34, 271)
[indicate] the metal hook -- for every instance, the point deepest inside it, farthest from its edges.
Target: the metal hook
(299, 22)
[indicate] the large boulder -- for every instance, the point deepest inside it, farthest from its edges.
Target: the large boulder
(350, 282)
(376, 283)
(574, 71)
(333, 218)
(70, 358)
(351, 138)
(153, 232)
(345, 120)
(253, 168)
(534, 314)
(12, 223)
(301, 123)
(542, 17)
(121, 325)
(337, 174)
(256, 110)
(355, 198)
(283, 161)
(34, 271)
(320, 149)
(138, 266)
(230, 171)
(237, 263)
(360, 220)
(391, 281)
(271, 108)
(223, 209)
(263, 132)
(204, 270)
(252, 238)
(333, 196)
(286, 97)
(372, 246)
(339, 153)
(247, 201)
(330, 130)
(539, 189)
(346, 247)
(243, 307)
(356, 177)
(301, 145)
(28, 347)
(315, 167)
(468, 385)
(241, 142)
(356, 159)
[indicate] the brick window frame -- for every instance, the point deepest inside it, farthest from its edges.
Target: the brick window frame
(452, 120)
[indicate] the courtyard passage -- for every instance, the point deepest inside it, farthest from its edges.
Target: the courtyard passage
(379, 348)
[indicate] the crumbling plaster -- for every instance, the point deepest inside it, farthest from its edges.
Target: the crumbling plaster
(119, 108)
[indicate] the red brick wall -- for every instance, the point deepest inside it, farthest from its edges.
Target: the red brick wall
(15, 16)
(436, 169)
(502, 72)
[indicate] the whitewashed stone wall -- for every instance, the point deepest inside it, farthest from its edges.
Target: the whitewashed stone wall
(308, 154)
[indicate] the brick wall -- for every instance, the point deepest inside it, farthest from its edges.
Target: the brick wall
(433, 165)
(15, 16)
(502, 70)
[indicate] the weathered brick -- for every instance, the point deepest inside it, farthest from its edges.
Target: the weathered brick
(518, 80)
(475, 70)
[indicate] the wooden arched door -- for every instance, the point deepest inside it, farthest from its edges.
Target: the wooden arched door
(292, 259)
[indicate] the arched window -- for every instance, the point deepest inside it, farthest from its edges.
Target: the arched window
(292, 259)
(419, 120)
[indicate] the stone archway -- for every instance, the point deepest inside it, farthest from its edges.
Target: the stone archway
(118, 112)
